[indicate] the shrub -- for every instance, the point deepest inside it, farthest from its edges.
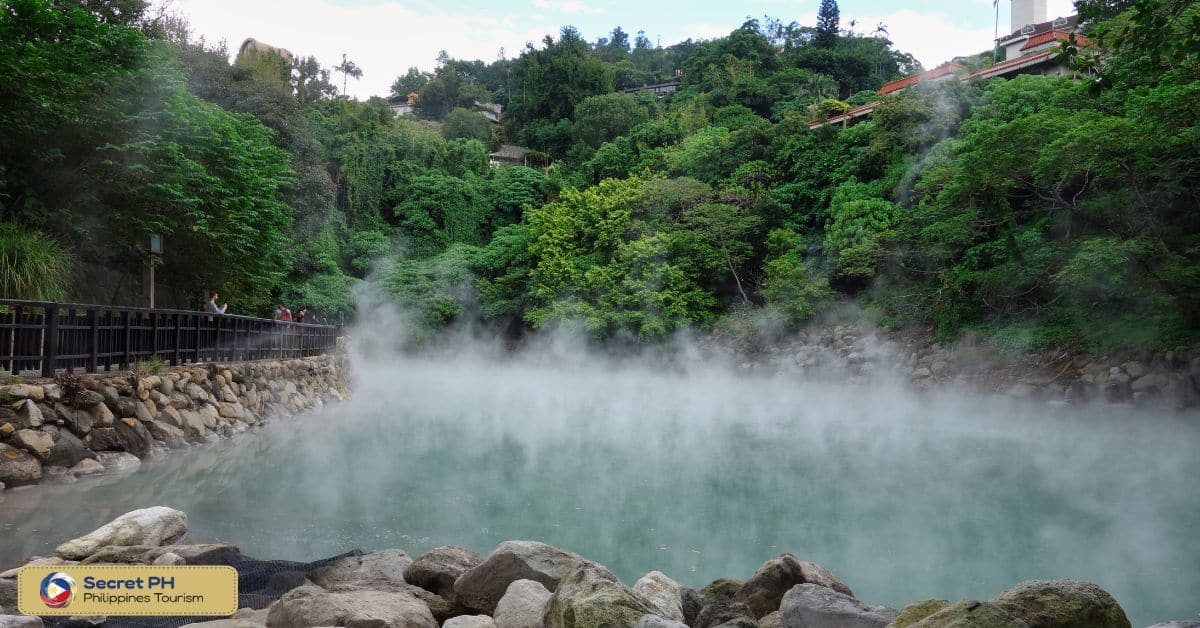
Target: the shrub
(32, 265)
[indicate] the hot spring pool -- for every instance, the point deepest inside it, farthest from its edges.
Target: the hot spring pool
(701, 475)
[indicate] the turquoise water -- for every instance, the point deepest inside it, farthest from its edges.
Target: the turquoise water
(701, 475)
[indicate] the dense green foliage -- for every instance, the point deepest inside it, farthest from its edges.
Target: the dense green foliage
(1036, 211)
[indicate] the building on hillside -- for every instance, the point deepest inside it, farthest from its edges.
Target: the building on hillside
(1030, 36)
(509, 155)
(403, 105)
(943, 72)
(1031, 48)
(253, 45)
(658, 90)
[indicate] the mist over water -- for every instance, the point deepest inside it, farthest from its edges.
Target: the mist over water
(693, 469)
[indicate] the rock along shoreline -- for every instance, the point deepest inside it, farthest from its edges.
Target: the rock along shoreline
(527, 584)
(82, 425)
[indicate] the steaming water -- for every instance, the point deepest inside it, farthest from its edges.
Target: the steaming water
(701, 475)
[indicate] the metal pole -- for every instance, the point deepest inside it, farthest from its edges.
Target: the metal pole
(152, 282)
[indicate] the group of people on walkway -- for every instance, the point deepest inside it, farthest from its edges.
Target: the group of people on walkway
(282, 312)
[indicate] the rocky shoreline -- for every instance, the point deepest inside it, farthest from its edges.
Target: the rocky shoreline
(82, 425)
(859, 353)
(527, 584)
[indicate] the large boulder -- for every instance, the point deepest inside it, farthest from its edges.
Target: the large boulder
(167, 433)
(654, 621)
(765, 589)
(134, 436)
(917, 611)
(313, 606)
(68, 451)
(470, 621)
(27, 413)
(728, 614)
(118, 461)
(772, 620)
(101, 416)
(592, 596)
(76, 419)
(243, 618)
(18, 467)
(380, 571)
(158, 525)
(719, 590)
(20, 621)
(437, 569)
(22, 391)
(662, 594)
(105, 439)
(33, 441)
(1062, 604)
(815, 606)
(8, 593)
(442, 608)
(87, 399)
(970, 614)
(201, 554)
(481, 587)
(523, 605)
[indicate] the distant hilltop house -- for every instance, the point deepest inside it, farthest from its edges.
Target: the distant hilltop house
(658, 90)
(509, 155)
(1031, 48)
(403, 105)
(253, 45)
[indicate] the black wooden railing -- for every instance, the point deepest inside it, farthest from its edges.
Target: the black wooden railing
(49, 337)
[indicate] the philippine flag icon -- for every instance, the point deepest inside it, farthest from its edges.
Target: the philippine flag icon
(57, 590)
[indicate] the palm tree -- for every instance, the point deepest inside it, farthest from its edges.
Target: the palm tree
(348, 69)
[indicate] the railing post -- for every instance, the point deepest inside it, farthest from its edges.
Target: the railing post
(50, 341)
(196, 318)
(178, 338)
(153, 335)
(94, 331)
(217, 348)
(128, 362)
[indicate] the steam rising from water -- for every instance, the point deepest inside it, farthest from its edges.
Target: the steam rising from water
(691, 469)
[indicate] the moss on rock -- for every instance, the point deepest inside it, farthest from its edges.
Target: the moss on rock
(1062, 604)
(917, 611)
(970, 614)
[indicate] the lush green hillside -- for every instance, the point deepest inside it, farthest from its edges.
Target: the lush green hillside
(1037, 211)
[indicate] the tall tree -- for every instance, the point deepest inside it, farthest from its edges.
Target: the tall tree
(412, 81)
(827, 24)
(348, 68)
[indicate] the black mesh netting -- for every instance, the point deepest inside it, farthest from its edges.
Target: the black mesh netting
(260, 582)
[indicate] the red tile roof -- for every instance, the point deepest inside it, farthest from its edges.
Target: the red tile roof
(856, 112)
(909, 81)
(1049, 36)
(1004, 68)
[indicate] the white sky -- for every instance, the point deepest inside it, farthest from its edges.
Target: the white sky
(385, 37)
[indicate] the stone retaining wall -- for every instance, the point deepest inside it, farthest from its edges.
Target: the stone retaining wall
(860, 353)
(84, 425)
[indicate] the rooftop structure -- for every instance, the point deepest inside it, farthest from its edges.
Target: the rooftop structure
(253, 45)
(658, 89)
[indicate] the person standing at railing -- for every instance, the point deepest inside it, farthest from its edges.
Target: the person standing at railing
(301, 314)
(212, 308)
